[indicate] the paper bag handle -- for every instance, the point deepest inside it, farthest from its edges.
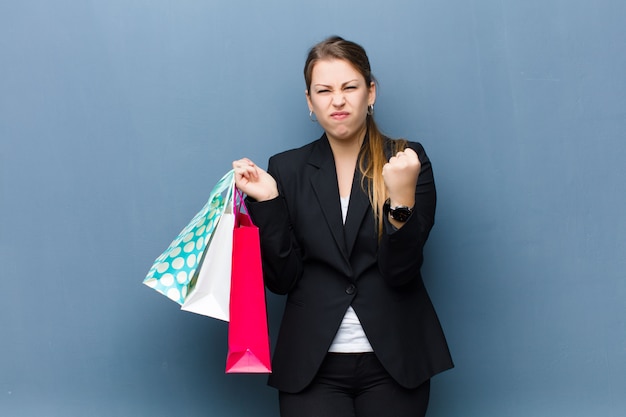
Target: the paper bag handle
(240, 210)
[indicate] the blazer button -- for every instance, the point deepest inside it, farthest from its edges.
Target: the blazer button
(350, 289)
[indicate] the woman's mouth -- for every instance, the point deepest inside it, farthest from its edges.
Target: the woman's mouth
(339, 115)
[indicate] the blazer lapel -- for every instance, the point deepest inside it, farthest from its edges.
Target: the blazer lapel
(324, 183)
(359, 204)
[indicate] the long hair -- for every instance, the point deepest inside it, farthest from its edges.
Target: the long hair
(372, 156)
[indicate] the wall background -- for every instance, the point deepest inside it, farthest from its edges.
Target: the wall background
(117, 117)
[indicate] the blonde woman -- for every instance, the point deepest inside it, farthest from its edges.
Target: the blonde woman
(343, 222)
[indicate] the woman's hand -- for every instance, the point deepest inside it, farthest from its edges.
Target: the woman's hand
(254, 181)
(400, 175)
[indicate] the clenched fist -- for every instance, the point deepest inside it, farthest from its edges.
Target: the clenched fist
(400, 175)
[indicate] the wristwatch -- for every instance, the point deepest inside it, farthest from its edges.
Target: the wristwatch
(398, 213)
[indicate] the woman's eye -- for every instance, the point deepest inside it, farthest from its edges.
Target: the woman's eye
(351, 87)
(322, 91)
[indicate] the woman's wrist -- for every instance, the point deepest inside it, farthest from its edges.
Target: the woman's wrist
(269, 196)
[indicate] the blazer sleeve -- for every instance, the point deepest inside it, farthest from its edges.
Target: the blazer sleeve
(400, 254)
(282, 260)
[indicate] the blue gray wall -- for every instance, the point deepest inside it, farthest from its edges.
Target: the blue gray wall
(117, 117)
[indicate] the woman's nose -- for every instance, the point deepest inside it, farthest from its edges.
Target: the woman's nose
(339, 99)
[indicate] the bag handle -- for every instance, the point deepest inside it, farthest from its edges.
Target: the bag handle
(226, 183)
(239, 206)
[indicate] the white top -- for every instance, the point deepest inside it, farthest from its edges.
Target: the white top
(350, 337)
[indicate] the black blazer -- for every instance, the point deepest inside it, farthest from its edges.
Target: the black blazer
(325, 266)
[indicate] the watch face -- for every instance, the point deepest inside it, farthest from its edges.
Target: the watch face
(400, 214)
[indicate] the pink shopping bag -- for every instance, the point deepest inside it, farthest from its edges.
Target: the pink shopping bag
(248, 337)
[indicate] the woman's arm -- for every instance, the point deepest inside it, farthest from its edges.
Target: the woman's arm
(400, 253)
(282, 262)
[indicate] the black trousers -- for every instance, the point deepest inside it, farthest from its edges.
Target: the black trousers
(355, 385)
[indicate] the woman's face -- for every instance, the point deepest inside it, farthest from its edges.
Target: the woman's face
(339, 97)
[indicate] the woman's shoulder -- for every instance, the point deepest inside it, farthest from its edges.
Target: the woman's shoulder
(295, 152)
(296, 156)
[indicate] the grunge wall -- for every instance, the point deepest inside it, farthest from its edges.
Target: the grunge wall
(117, 117)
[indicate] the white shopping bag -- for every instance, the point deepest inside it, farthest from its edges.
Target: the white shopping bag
(209, 292)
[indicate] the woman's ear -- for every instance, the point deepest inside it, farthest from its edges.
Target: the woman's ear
(308, 100)
(372, 93)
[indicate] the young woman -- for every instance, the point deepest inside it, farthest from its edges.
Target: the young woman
(343, 222)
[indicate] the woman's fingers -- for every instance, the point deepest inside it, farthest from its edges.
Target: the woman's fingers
(245, 168)
(400, 175)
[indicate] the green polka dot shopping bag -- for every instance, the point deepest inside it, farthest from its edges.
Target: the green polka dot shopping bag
(195, 270)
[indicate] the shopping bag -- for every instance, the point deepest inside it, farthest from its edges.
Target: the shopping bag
(177, 267)
(248, 337)
(209, 290)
